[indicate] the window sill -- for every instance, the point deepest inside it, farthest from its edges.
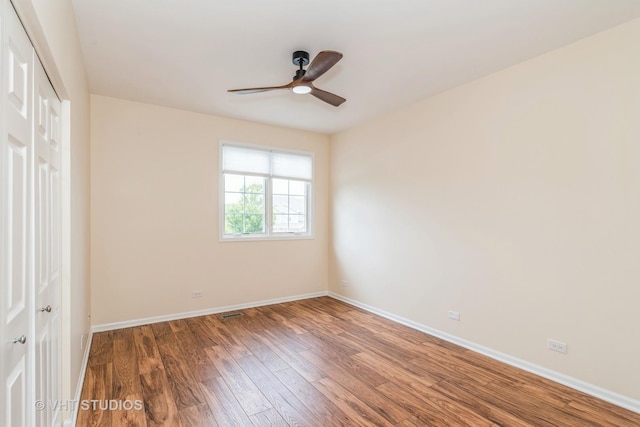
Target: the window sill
(253, 238)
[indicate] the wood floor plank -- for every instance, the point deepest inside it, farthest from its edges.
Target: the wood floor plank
(224, 406)
(317, 362)
(292, 358)
(197, 416)
(371, 343)
(245, 391)
(262, 351)
(609, 416)
(527, 406)
(159, 404)
(178, 325)
(146, 349)
(481, 407)
(394, 372)
(330, 345)
(411, 422)
(195, 356)
(161, 328)
(433, 410)
(101, 351)
(127, 413)
(225, 338)
(379, 403)
(319, 318)
(324, 409)
(200, 328)
(276, 316)
(442, 366)
(328, 342)
(268, 418)
(283, 401)
(126, 379)
(183, 385)
(97, 386)
(350, 404)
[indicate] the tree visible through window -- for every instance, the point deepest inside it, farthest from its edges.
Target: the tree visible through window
(244, 204)
(266, 193)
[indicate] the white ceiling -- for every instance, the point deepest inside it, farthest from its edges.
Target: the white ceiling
(187, 53)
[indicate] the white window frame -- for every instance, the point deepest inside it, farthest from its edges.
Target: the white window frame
(268, 196)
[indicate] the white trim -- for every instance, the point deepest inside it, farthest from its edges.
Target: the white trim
(590, 389)
(80, 384)
(176, 316)
(31, 23)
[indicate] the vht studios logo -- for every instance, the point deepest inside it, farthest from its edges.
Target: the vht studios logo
(90, 405)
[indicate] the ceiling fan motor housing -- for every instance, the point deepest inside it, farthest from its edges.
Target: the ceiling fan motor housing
(300, 58)
(300, 55)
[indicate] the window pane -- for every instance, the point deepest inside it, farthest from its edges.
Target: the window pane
(233, 224)
(254, 203)
(280, 223)
(245, 206)
(280, 204)
(297, 188)
(232, 198)
(233, 182)
(254, 184)
(280, 186)
(289, 206)
(297, 205)
(233, 202)
(297, 223)
(254, 223)
(289, 223)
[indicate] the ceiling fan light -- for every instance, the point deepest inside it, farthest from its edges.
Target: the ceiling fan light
(301, 90)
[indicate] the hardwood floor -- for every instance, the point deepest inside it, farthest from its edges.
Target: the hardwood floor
(316, 362)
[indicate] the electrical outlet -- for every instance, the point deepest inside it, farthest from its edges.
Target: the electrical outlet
(558, 346)
(455, 315)
(196, 294)
(344, 283)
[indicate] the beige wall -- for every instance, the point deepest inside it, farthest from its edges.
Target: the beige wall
(52, 29)
(155, 175)
(514, 200)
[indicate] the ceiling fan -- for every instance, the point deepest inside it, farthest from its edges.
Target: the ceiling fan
(303, 80)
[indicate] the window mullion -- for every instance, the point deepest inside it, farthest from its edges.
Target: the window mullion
(267, 206)
(244, 204)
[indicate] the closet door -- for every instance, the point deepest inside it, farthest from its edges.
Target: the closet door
(46, 244)
(16, 146)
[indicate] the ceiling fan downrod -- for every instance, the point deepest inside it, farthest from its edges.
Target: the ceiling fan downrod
(300, 58)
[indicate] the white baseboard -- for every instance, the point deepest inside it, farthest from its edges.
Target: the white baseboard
(176, 316)
(83, 372)
(590, 389)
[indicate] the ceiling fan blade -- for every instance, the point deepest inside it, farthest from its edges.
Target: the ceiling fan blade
(327, 97)
(321, 64)
(258, 89)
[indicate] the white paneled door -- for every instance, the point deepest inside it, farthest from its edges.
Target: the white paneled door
(30, 232)
(17, 147)
(47, 225)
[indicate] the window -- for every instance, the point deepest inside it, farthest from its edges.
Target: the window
(266, 193)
